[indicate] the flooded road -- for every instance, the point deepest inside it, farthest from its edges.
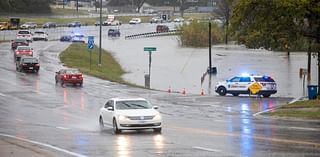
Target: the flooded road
(64, 120)
(177, 67)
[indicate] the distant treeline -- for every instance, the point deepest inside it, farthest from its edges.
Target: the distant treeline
(25, 6)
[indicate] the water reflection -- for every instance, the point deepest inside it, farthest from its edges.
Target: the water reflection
(247, 131)
(72, 97)
(82, 143)
(123, 146)
(158, 143)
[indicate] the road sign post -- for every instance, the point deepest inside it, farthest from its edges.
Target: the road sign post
(90, 46)
(149, 49)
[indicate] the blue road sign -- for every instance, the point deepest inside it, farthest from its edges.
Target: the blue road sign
(90, 42)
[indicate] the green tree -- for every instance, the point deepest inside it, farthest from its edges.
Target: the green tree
(278, 24)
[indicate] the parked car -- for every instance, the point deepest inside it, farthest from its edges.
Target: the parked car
(135, 21)
(66, 38)
(130, 114)
(114, 33)
(24, 34)
(178, 19)
(49, 25)
(241, 84)
(22, 51)
(72, 76)
(40, 35)
(29, 25)
(18, 42)
(156, 20)
(28, 64)
(4, 25)
(162, 28)
(74, 24)
(97, 23)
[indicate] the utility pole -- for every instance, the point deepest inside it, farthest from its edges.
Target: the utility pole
(210, 65)
(77, 6)
(100, 34)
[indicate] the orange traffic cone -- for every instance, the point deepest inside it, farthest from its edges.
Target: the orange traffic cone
(184, 91)
(202, 92)
(169, 90)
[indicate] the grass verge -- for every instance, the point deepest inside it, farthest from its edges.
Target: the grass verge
(309, 109)
(77, 56)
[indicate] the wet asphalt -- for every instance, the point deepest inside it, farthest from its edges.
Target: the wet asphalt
(34, 108)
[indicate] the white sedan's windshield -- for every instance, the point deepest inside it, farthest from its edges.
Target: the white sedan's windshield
(132, 104)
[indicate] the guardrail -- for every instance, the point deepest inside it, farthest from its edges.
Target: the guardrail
(151, 34)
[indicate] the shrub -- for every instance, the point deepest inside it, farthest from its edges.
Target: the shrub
(195, 34)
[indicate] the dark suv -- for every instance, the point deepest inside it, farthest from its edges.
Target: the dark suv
(113, 33)
(28, 64)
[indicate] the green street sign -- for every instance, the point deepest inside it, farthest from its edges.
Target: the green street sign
(150, 49)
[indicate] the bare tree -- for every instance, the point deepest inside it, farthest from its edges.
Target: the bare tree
(223, 12)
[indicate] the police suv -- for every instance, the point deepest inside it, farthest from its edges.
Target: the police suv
(242, 84)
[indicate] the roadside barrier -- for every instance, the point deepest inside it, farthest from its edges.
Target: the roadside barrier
(151, 34)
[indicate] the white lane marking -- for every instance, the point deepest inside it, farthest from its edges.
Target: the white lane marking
(44, 145)
(206, 149)
(1, 94)
(62, 128)
(20, 120)
(302, 128)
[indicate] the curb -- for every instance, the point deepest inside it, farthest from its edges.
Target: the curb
(292, 101)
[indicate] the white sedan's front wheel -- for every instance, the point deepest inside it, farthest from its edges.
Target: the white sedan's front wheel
(115, 127)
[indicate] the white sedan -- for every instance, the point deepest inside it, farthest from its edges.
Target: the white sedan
(135, 21)
(40, 35)
(129, 114)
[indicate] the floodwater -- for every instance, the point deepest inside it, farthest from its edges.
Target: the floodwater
(179, 68)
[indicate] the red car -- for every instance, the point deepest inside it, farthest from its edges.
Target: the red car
(162, 28)
(71, 76)
(18, 42)
(22, 51)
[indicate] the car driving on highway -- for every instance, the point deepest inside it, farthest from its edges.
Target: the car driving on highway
(22, 51)
(78, 37)
(25, 34)
(129, 114)
(28, 64)
(71, 76)
(241, 84)
(18, 42)
(40, 35)
(114, 33)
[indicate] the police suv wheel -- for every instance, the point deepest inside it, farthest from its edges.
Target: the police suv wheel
(222, 91)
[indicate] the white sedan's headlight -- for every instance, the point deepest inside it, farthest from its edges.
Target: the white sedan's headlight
(157, 117)
(122, 118)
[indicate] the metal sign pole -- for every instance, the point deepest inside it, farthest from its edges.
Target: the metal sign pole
(90, 58)
(150, 52)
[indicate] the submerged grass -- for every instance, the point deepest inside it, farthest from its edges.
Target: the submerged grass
(78, 56)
